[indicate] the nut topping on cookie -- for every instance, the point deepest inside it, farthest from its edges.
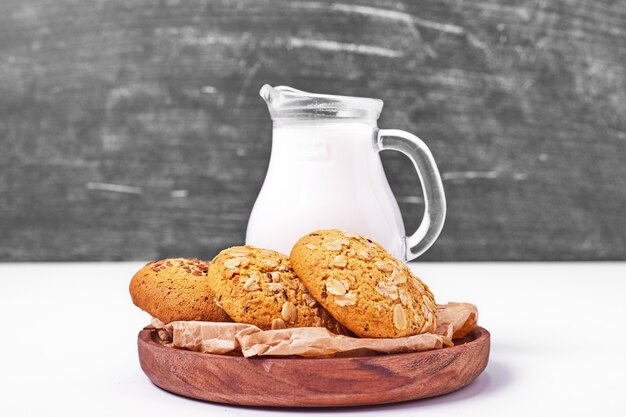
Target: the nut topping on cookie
(232, 263)
(335, 287)
(289, 312)
(340, 261)
(404, 297)
(336, 245)
(278, 324)
(308, 299)
(240, 253)
(290, 283)
(332, 246)
(399, 318)
(251, 284)
(382, 266)
(397, 277)
(429, 303)
(348, 299)
(269, 262)
(389, 290)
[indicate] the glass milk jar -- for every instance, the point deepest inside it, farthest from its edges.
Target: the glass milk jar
(325, 173)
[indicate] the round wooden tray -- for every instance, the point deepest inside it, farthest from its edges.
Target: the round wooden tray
(302, 382)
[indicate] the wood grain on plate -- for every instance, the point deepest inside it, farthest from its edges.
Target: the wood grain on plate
(302, 382)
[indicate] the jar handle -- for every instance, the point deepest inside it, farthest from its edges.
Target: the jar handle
(432, 188)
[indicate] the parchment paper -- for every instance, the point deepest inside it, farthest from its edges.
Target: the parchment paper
(454, 320)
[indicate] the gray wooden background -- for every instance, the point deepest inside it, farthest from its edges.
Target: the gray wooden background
(133, 129)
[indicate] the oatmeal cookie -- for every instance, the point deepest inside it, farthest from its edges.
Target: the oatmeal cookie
(364, 287)
(176, 289)
(258, 286)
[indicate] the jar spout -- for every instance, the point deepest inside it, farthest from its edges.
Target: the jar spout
(269, 94)
(277, 97)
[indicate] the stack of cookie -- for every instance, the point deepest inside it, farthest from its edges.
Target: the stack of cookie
(338, 280)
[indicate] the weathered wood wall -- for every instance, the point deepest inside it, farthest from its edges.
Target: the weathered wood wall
(133, 129)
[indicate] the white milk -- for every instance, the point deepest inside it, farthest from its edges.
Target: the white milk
(322, 175)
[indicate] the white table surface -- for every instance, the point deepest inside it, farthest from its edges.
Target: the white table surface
(557, 348)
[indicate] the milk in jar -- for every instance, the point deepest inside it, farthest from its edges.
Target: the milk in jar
(324, 175)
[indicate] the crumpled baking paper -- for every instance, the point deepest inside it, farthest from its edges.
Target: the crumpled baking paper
(454, 321)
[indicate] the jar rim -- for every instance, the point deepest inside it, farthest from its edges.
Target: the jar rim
(288, 103)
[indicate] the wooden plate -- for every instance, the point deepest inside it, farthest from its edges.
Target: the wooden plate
(301, 382)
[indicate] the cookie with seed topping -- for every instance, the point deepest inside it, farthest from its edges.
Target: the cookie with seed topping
(258, 286)
(176, 289)
(363, 286)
